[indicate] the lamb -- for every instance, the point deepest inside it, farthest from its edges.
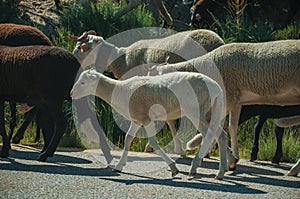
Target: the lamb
(124, 61)
(21, 35)
(164, 99)
(40, 76)
(253, 73)
(264, 112)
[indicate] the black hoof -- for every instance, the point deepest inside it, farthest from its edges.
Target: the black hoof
(232, 169)
(42, 158)
(275, 161)
(4, 154)
(16, 140)
(218, 178)
(117, 171)
(175, 173)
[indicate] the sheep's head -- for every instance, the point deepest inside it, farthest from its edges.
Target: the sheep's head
(85, 85)
(85, 44)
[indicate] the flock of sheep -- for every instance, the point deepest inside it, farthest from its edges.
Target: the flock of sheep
(202, 79)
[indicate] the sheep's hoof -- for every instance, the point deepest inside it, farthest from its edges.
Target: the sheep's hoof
(16, 140)
(275, 161)
(292, 174)
(117, 170)
(232, 165)
(4, 154)
(191, 175)
(42, 158)
(109, 159)
(175, 173)
(218, 178)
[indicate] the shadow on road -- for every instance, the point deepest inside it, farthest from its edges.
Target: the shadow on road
(58, 164)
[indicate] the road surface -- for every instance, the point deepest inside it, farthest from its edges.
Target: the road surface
(82, 174)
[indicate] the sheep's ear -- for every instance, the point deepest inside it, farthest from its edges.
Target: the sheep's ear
(83, 46)
(91, 32)
(74, 38)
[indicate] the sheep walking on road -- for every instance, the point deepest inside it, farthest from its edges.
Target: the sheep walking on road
(253, 73)
(129, 61)
(21, 35)
(166, 97)
(40, 76)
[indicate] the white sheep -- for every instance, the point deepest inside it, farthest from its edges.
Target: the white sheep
(94, 50)
(253, 73)
(288, 122)
(166, 97)
(129, 61)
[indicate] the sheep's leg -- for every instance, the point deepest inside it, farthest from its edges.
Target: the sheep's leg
(20, 133)
(90, 124)
(278, 154)
(158, 6)
(155, 13)
(130, 6)
(47, 127)
(6, 145)
(223, 167)
(151, 132)
(258, 126)
(60, 126)
(233, 126)
(202, 151)
(178, 149)
(295, 169)
(13, 121)
(202, 127)
(128, 139)
(38, 128)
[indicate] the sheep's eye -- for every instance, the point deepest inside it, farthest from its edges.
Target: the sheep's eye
(82, 83)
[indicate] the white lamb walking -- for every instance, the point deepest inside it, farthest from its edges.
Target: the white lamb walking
(166, 97)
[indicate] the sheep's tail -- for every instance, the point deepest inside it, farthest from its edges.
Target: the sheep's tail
(194, 142)
(288, 121)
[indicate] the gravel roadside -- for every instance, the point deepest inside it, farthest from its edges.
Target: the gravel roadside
(82, 174)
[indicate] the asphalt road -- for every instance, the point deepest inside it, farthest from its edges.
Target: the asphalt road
(83, 174)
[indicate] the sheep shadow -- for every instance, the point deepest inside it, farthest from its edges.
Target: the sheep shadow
(229, 187)
(251, 168)
(234, 181)
(58, 164)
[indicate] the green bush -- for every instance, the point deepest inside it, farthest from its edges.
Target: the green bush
(290, 32)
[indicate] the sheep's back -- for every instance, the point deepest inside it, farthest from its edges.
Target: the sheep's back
(262, 67)
(21, 35)
(31, 71)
